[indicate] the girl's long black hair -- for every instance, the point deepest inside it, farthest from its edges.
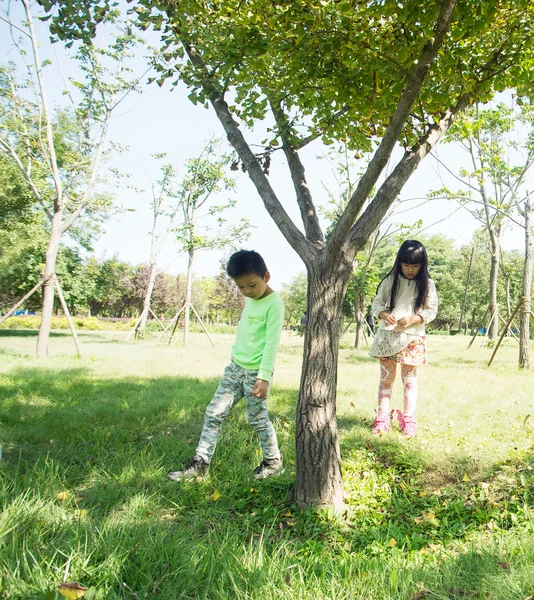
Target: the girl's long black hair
(411, 252)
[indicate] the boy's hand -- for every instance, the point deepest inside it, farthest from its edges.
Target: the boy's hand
(260, 388)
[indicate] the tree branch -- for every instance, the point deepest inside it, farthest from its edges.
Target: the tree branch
(37, 194)
(58, 201)
(304, 248)
(392, 186)
(296, 168)
(393, 132)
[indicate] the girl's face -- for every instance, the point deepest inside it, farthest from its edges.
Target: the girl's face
(410, 271)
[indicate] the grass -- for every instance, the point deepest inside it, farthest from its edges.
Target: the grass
(87, 443)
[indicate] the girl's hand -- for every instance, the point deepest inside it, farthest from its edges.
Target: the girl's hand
(260, 388)
(388, 318)
(407, 321)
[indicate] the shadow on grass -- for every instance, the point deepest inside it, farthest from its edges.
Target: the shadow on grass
(24, 333)
(104, 446)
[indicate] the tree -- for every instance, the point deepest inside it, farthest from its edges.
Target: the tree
(60, 155)
(490, 188)
(527, 212)
(205, 177)
(162, 190)
(294, 296)
(372, 73)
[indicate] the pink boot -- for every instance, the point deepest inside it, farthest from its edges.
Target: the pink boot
(407, 424)
(382, 423)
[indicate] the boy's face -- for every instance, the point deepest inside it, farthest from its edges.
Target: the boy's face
(252, 285)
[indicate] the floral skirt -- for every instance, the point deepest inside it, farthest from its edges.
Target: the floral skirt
(399, 347)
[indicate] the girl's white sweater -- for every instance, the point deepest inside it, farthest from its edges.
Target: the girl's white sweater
(404, 304)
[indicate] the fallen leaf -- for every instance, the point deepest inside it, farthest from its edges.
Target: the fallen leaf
(392, 542)
(71, 590)
(287, 513)
(287, 579)
(80, 513)
(504, 565)
(431, 518)
(63, 496)
(466, 477)
(216, 495)
(346, 547)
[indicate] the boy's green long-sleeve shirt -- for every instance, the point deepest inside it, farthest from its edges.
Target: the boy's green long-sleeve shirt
(258, 335)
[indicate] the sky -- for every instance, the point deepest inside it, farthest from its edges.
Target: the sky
(164, 120)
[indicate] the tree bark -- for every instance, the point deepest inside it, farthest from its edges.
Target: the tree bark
(319, 482)
(495, 238)
(524, 317)
(462, 312)
(148, 296)
(359, 318)
(48, 286)
(187, 303)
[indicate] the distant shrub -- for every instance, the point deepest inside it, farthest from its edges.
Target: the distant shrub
(85, 323)
(106, 324)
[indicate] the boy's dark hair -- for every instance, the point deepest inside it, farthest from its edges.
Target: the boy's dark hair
(411, 252)
(246, 262)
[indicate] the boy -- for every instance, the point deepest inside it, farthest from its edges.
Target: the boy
(250, 372)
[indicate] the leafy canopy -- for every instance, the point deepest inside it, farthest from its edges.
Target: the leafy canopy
(337, 66)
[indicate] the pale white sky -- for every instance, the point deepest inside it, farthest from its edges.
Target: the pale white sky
(161, 120)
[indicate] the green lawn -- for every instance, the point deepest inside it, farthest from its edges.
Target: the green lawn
(87, 444)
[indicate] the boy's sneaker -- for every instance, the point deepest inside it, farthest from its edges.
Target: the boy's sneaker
(268, 468)
(382, 423)
(194, 467)
(408, 425)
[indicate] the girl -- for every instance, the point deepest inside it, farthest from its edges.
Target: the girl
(406, 300)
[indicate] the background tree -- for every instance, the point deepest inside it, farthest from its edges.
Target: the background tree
(165, 215)
(294, 296)
(205, 178)
(60, 170)
(373, 74)
(226, 297)
(527, 212)
(499, 155)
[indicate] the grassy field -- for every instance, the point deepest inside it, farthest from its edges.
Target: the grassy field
(87, 444)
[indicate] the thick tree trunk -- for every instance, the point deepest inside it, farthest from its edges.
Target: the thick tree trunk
(495, 237)
(524, 317)
(148, 296)
(48, 286)
(319, 482)
(188, 288)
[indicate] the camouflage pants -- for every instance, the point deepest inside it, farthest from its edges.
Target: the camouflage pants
(235, 384)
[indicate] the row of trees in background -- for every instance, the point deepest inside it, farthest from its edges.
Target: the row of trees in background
(112, 288)
(116, 289)
(449, 266)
